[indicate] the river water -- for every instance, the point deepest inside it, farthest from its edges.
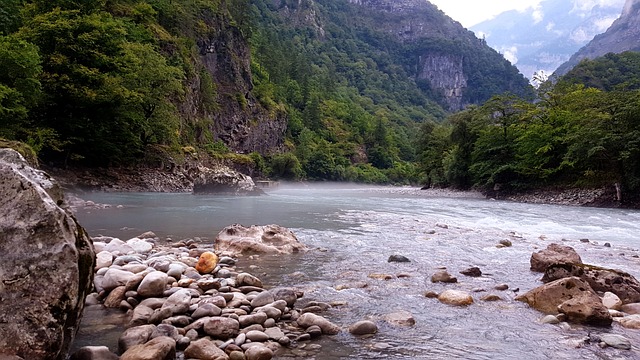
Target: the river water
(353, 230)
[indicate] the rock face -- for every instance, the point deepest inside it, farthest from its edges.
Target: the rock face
(223, 180)
(554, 254)
(47, 264)
(620, 283)
(241, 121)
(572, 297)
(268, 239)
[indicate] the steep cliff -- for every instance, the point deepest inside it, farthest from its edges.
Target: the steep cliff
(236, 117)
(623, 35)
(456, 65)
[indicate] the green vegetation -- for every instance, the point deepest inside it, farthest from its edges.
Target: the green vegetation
(573, 135)
(122, 82)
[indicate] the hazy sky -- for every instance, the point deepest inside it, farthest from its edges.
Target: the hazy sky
(471, 12)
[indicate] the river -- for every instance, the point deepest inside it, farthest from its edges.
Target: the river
(352, 230)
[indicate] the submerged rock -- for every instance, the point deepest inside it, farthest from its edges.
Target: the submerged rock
(400, 318)
(398, 258)
(47, 264)
(443, 276)
(554, 254)
(267, 239)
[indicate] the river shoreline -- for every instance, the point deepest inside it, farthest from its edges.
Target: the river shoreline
(179, 179)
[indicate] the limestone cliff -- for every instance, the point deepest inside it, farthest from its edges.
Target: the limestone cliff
(623, 35)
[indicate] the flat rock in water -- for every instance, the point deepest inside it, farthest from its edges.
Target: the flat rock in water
(310, 319)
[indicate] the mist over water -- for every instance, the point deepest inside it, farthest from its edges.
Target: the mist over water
(352, 230)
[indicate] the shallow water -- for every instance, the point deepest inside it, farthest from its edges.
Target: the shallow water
(353, 230)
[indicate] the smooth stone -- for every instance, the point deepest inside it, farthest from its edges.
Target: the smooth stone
(400, 318)
(116, 296)
(257, 318)
(104, 259)
(472, 272)
(272, 313)
(176, 270)
(262, 299)
(611, 301)
(153, 285)
(550, 319)
(289, 295)
(141, 315)
(258, 353)
(630, 322)
(206, 310)
(314, 331)
(364, 327)
(207, 262)
(632, 309)
(93, 353)
(501, 287)
(221, 327)
(616, 341)
(381, 276)
(310, 319)
(269, 323)
(178, 303)
(114, 278)
(255, 335)
(240, 339)
(244, 279)
(204, 349)
(160, 348)
(443, 276)
(431, 294)
(455, 297)
(140, 246)
(165, 330)
(274, 333)
(398, 258)
(491, 297)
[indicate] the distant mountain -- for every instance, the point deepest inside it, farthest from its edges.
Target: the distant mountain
(545, 36)
(623, 35)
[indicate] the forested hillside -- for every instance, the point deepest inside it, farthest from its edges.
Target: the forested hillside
(583, 131)
(325, 89)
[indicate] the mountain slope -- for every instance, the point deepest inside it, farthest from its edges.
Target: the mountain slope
(623, 35)
(544, 37)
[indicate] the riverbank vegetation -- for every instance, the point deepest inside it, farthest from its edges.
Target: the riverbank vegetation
(583, 131)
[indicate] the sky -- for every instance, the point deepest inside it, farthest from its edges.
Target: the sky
(472, 12)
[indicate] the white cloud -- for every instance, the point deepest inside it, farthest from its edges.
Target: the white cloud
(511, 54)
(472, 12)
(538, 15)
(550, 26)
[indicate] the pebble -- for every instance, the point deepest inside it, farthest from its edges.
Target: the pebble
(550, 319)
(443, 276)
(364, 327)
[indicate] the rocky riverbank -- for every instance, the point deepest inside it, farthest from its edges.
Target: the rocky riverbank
(187, 300)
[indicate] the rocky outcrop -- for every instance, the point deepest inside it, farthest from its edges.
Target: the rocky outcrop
(602, 280)
(623, 35)
(445, 73)
(47, 264)
(223, 180)
(236, 117)
(268, 239)
(554, 254)
(572, 297)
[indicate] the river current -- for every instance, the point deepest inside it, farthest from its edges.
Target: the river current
(352, 230)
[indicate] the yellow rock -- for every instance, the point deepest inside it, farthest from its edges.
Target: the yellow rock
(207, 262)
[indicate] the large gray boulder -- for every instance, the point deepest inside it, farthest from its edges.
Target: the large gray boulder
(223, 180)
(267, 239)
(47, 264)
